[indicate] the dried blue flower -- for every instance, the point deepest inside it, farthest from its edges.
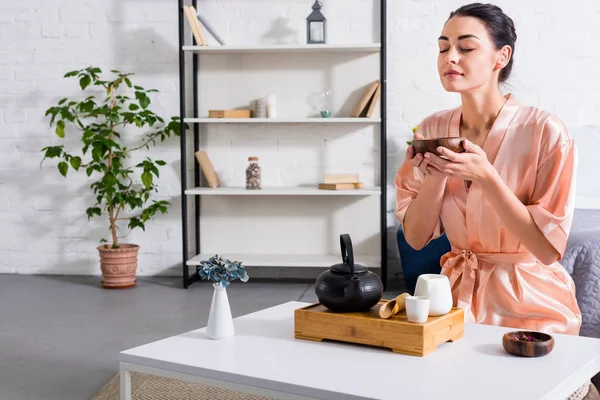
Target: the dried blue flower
(222, 271)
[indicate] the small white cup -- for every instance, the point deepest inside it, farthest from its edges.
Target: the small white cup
(417, 308)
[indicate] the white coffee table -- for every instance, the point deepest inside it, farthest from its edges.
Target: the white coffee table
(264, 358)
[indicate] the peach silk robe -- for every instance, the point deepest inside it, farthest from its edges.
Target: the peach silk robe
(492, 275)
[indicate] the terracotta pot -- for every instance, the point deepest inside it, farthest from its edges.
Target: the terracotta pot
(118, 265)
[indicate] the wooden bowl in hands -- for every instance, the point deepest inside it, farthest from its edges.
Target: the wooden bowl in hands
(527, 343)
(423, 146)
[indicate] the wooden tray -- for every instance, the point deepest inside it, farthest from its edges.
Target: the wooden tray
(316, 322)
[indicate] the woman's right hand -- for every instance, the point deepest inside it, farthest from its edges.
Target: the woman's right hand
(418, 160)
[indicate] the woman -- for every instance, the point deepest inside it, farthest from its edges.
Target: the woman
(506, 204)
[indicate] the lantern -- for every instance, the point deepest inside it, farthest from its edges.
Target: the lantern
(316, 25)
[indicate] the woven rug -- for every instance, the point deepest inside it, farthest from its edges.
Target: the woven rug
(150, 387)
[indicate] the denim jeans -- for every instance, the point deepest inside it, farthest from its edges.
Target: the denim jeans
(424, 261)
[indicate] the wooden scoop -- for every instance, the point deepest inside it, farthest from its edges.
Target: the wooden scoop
(394, 306)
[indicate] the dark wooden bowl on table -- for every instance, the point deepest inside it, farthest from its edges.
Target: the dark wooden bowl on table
(527, 343)
(430, 145)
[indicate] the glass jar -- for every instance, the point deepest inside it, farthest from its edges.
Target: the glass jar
(253, 174)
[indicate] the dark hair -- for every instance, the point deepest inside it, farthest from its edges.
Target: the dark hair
(499, 26)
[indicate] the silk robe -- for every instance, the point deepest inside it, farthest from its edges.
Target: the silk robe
(493, 277)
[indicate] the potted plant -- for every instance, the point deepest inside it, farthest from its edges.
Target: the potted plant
(222, 272)
(123, 190)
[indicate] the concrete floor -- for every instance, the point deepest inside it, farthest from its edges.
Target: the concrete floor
(60, 335)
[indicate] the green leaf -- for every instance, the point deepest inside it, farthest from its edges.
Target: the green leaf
(53, 151)
(127, 82)
(143, 99)
(138, 88)
(71, 73)
(109, 181)
(161, 162)
(144, 102)
(60, 129)
(134, 107)
(93, 211)
(85, 81)
(63, 167)
(89, 171)
(95, 70)
(87, 134)
(136, 223)
(62, 101)
(96, 153)
(147, 179)
(66, 114)
(87, 106)
(75, 163)
(155, 170)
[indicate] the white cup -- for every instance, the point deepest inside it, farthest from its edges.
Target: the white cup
(417, 308)
(437, 288)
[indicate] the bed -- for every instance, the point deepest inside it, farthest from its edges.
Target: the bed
(582, 262)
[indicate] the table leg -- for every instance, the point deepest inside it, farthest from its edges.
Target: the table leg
(125, 379)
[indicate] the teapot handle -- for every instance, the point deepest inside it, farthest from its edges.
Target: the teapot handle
(347, 253)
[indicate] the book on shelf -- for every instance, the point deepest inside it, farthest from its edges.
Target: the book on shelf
(341, 178)
(341, 186)
(207, 168)
(197, 31)
(211, 30)
(341, 182)
(196, 22)
(366, 103)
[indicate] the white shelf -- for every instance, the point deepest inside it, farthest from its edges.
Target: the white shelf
(315, 120)
(290, 260)
(281, 191)
(294, 48)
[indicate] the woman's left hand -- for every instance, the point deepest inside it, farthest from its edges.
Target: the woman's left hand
(471, 165)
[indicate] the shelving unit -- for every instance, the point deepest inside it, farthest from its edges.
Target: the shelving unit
(276, 260)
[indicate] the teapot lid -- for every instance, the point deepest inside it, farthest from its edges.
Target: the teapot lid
(348, 266)
(345, 268)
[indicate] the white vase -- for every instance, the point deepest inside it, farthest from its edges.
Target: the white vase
(220, 322)
(437, 288)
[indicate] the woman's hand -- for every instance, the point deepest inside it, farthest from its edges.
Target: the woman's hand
(471, 165)
(418, 161)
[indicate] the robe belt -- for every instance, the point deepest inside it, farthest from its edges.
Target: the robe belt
(466, 263)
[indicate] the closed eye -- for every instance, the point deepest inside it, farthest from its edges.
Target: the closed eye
(463, 50)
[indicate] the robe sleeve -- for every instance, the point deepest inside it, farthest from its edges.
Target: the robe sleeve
(408, 183)
(553, 200)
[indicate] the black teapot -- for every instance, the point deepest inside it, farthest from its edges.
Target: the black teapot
(348, 287)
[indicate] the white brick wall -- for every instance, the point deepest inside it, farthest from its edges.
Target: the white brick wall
(42, 216)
